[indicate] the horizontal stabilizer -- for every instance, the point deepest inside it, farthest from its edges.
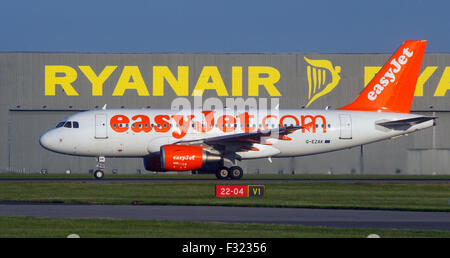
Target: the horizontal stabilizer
(406, 122)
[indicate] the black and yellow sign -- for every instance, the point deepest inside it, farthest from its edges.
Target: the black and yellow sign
(256, 190)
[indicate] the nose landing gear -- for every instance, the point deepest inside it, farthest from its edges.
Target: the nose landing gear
(99, 174)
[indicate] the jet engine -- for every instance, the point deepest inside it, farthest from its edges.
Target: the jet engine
(180, 158)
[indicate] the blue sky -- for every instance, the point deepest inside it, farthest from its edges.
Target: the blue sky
(223, 26)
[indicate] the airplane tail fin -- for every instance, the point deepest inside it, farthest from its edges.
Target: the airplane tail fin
(392, 88)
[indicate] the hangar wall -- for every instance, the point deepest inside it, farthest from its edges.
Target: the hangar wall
(28, 106)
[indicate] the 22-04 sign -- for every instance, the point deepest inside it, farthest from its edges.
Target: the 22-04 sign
(240, 190)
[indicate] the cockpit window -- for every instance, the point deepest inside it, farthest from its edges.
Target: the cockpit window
(68, 124)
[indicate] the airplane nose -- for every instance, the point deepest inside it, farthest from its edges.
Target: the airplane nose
(46, 141)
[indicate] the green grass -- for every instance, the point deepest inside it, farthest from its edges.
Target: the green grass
(370, 195)
(27, 227)
(430, 196)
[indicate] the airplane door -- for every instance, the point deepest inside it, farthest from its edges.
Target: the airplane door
(100, 127)
(346, 126)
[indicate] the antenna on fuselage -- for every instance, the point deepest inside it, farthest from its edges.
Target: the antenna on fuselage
(104, 107)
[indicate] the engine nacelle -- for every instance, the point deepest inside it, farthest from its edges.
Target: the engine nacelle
(184, 157)
(180, 158)
(153, 163)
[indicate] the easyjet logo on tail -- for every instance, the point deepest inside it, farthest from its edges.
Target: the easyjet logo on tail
(390, 76)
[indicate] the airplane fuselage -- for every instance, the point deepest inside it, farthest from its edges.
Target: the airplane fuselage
(140, 132)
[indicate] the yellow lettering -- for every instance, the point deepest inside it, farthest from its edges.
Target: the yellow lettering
(204, 82)
(51, 79)
(97, 81)
(236, 80)
(369, 73)
(137, 83)
(444, 83)
(254, 80)
(423, 78)
(180, 86)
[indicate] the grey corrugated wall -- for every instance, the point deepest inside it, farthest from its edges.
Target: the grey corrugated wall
(26, 112)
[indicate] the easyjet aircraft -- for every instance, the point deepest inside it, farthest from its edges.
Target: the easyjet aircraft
(170, 140)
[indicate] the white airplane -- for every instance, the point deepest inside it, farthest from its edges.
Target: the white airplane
(169, 140)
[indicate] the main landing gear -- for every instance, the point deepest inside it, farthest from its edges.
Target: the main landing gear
(234, 172)
(99, 174)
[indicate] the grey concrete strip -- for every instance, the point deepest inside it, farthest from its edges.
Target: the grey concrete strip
(298, 216)
(242, 181)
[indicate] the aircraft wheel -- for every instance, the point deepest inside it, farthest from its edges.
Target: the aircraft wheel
(236, 172)
(222, 173)
(98, 174)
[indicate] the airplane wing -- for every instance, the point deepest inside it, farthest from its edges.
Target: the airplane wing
(242, 141)
(406, 122)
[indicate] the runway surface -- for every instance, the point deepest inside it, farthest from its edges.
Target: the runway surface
(298, 216)
(241, 181)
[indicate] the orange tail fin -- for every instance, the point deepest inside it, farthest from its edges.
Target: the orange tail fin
(392, 88)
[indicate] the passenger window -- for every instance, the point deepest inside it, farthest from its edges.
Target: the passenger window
(68, 124)
(75, 124)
